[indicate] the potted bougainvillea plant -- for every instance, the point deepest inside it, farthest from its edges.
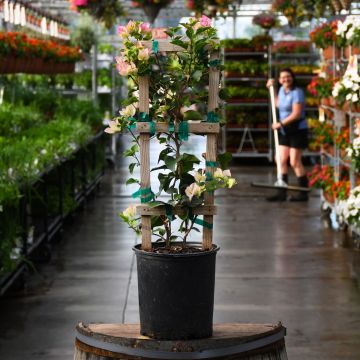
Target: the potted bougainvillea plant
(175, 275)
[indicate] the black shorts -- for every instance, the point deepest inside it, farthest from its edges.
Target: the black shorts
(294, 138)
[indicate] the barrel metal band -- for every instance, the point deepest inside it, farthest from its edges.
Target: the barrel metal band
(203, 354)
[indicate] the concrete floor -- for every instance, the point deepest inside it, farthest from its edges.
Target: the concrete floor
(276, 262)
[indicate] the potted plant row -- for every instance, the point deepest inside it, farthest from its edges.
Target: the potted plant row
(168, 103)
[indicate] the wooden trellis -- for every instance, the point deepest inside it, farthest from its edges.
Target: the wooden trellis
(209, 129)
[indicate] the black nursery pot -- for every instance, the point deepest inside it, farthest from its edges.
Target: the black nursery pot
(176, 294)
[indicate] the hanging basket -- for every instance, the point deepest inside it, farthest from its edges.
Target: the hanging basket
(336, 4)
(345, 4)
(152, 11)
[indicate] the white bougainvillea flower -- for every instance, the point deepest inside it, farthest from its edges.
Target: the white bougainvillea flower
(128, 111)
(130, 212)
(200, 177)
(231, 182)
(355, 98)
(113, 128)
(193, 190)
(218, 174)
(227, 173)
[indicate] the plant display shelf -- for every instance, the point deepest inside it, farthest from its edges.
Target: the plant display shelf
(246, 132)
(79, 175)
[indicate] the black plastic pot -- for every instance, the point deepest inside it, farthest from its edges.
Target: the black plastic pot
(176, 294)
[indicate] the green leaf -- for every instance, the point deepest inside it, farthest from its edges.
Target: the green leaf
(224, 160)
(187, 162)
(131, 151)
(162, 167)
(170, 162)
(129, 101)
(154, 204)
(156, 221)
(180, 43)
(192, 115)
(131, 167)
(197, 75)
(132, 181)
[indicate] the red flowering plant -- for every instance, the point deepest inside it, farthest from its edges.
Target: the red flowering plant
(321, 177)
(266, 20)
(324, 35)
(342, 139)
(19, 45)
(324, 133)
(208, 7)
(340, 190)
(286, 47)
(320, 87)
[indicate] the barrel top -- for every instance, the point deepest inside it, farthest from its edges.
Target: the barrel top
(126, 338)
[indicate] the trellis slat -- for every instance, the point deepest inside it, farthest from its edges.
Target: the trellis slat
(194, 128)
(177, 210)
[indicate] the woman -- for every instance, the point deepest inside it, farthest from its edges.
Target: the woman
(293, 132)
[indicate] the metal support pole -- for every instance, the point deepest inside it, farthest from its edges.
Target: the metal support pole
(94, 74)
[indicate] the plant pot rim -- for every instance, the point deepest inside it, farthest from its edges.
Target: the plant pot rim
(138, 250)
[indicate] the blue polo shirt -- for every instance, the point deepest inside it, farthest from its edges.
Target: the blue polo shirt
(286, 101)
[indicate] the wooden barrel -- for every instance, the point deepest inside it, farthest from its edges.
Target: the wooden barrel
(229, 341)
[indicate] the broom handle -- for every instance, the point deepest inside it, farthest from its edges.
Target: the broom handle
(276, 134)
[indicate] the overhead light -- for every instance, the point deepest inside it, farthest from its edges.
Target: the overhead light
(6, 11)
(23, 16)
(44, 25)
(17, 14)
(11, 13)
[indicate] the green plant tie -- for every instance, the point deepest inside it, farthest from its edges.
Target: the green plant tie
(132, 123)
(209, 177)
(145, 195)
(199, 221)
(214, 63)
(169, 212)
(212, 163)
(184, 131)
(171, 127)
(212, 117)
(144, 117)
(155, 46)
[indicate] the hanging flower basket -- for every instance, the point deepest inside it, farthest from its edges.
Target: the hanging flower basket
(152, 8)
(345, 4)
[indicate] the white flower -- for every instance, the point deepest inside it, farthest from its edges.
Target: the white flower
(113, 128)
(355, 98)
(129, 111)
(144, 54)
(193, 190)
(231, 182)
(200, 177)
(130, 212)
(227, 173)
(218, 174)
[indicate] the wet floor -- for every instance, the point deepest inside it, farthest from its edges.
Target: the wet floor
(277, 263)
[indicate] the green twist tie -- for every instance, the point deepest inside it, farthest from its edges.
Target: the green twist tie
(169, 212)
(199, 221)
(184, 131)
(212, 163)
(203, 223)
(209, 177)
(155, 46)
(171, 127)
(144, 117)
(132, 125)
(148, 198)
(215, 63)
(141, 192)
(212, 117)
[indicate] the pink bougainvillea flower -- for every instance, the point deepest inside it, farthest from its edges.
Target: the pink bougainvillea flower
(145, 27)
(124, 68)
(205, 21)
(144, 54)
(80, 2)
(121, 29)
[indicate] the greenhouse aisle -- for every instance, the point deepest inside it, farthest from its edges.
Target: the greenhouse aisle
(276, 263)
